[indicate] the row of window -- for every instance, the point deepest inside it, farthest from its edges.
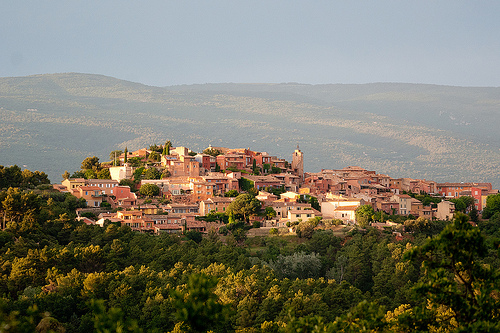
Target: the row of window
(107, 185)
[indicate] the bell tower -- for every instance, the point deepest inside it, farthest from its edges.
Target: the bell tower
(298, 163)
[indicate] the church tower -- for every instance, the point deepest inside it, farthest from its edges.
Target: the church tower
(298, 163)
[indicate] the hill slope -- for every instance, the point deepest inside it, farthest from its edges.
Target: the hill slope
(51, 122)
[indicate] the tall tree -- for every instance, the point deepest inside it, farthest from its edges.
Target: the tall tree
(492, 205)
(152, 173)
(458, 289)
(198, 307)
(166, 148)
(364, 215)
(91, 163)
(212, 152)
(104, 174)
(114, 156)
(149, 190)
(244, 205)
(66, 175)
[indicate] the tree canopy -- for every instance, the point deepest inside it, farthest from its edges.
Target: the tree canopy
(58, 273)
(13, 176)
(244, 205)
(212, 152)
(364, 215)
(492, 205)
(150, 190)
(91, 163)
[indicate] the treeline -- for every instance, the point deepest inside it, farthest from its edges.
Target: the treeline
(13, 176)
(62, 275)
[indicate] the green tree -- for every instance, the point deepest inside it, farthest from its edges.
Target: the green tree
(115, 156)
(304, 229)
(39, 178)
(364, 317)
(129, 183)
(66, 175)
(78, 174)
(469, 202)
(492, 205)
(244, 205)
(91, 163)
(212, 152)
(463, 204)
(10, 176)
(90, 174)
(104, 174)
(364, 214)
(166, 148)
(156, 148)
(150, 190)
(136, 161)
(275, 169)
(138, 173)
(473, 215)
(270, 212)
(194, 235)
(198, 307)
(458, 289)
(152, 173)
(421, 224)
(231, 193)
(255, 169)
(154, 156)
(20, 210)
(111, 320)
(298, 265)
(125, 158)
(50, 324)
(245, 184)
(313, 201)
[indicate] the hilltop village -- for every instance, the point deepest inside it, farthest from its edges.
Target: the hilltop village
(145, 241)
(168, 189)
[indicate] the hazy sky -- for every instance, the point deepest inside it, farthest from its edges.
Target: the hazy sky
(183, 42)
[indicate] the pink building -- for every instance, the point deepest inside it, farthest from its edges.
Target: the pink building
(124, 197)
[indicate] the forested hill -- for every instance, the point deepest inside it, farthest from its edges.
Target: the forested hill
(58, 274)
(52, 122)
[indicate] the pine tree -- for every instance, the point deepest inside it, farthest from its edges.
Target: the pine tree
(66, 174)
(166, 149)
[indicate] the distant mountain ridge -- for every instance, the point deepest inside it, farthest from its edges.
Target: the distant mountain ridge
(52, 122)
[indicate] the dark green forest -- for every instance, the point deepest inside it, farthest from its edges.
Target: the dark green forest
(60, 275)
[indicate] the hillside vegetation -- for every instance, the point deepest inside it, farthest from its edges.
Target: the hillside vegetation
(52, 122)
(58, 274)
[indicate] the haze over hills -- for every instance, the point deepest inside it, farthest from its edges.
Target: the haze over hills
(52, 122)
